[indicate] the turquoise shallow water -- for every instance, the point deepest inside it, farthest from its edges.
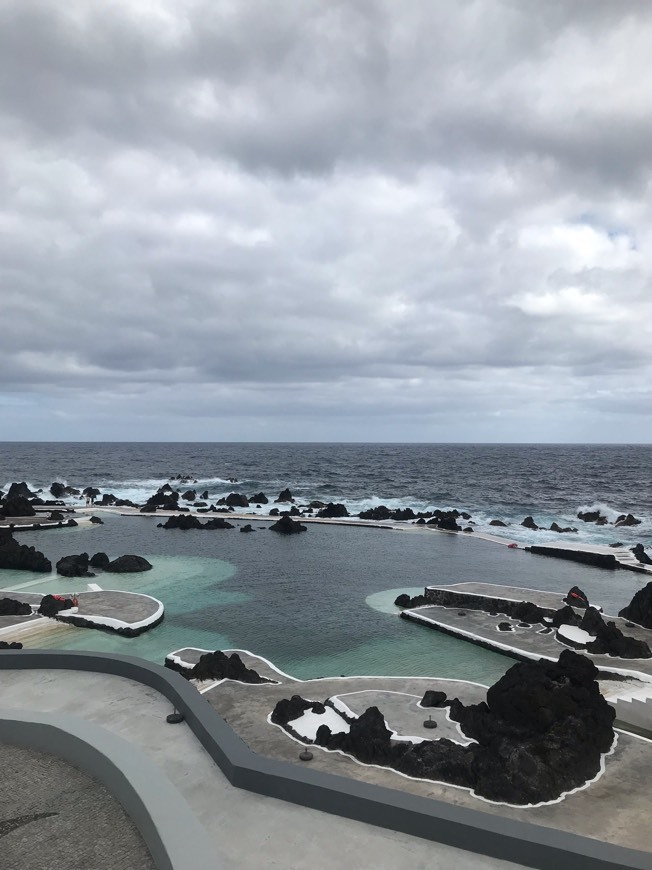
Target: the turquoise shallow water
(317, 604)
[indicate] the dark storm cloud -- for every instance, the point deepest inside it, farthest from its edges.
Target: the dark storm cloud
(320, 212)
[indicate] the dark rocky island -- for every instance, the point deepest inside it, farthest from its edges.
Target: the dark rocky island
(20, 557)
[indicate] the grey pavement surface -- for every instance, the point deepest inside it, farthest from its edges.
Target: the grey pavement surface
(249, 831)
(54, 817)
(120, 605)
(614, 809)
(530, 640)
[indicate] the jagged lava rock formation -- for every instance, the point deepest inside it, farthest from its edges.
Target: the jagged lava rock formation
(540, 733)
(20, 557)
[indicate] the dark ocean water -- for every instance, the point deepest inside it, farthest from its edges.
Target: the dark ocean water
(505, 481)
(321, 603)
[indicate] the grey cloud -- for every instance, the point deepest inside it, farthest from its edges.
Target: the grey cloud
(325, 213)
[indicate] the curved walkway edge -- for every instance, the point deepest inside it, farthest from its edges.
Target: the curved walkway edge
(175, 838)
(521, 842)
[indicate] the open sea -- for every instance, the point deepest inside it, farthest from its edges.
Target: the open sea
(321, 603)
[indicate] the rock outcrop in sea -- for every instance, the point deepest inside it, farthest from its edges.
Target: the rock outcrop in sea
(20, 557)
(287, 526)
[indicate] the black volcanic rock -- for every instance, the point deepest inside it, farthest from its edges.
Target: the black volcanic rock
(183, 522)
(505, 626)
(164, 499)
(11, 607)
(19, 490)
(591, 517)
(91, 492)
(246, 528)
(96, 521)
(540, 733)
(333, 511)
(284, 496)
(74, 566)
(259, 498)
(216, 523)
(289, 709)
(218, 666)
(404, 600)
(376, 513)
(20, 557)
(497, 523)
(529, 523)
(51, 605)
(627, 520)
(189, 495)
(11, 645)
(128, 564)
(58, 490)
(99, 560)
(236, 499)
(556, 528)
(57, 516)
(639, 552)
(287, 526)
(432, 698)
(565, 616)
(576, 598)
(639, 609)
(16, 506)
(609, 639)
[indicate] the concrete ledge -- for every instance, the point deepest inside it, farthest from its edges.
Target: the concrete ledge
(171, 832)
(520, 842)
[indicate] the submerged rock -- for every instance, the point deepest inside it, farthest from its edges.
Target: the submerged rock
(182, 521)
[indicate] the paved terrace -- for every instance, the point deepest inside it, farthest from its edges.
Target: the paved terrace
(248, 830)
(614, 809)
(54, 816)
(106, 608)
(479, 627)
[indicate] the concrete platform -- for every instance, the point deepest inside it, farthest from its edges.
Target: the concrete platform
(477, 626)
(248, 830)
(613, 809)
(128, 613)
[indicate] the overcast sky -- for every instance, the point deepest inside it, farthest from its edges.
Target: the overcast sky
(356, 220)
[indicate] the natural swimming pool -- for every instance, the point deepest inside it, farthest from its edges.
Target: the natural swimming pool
(316, 604)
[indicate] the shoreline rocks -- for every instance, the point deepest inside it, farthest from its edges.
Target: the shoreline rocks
(287, 526)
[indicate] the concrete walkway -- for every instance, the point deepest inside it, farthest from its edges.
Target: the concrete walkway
(249, 831)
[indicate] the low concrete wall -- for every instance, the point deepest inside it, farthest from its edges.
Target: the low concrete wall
(523, 843)
(171, 832)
